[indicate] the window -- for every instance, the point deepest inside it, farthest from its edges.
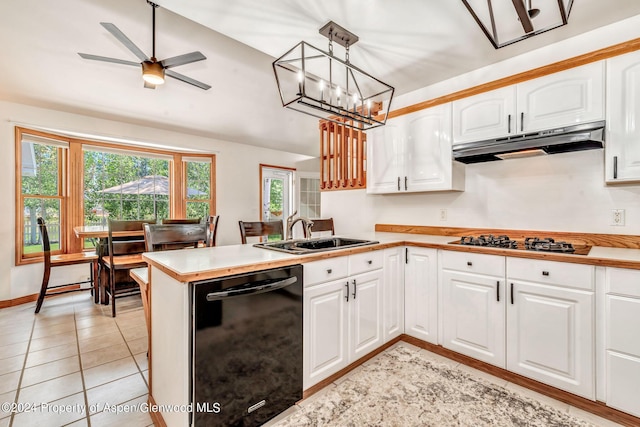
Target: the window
(309, 197)
(40, 187)
(72, 182)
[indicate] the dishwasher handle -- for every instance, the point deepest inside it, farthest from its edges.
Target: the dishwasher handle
(250, 290)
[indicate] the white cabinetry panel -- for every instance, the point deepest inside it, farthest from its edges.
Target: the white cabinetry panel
(393, 306)
(421, 294)
(485, 116)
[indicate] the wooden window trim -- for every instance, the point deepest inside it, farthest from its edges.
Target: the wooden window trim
(71, 187)
(182, 184)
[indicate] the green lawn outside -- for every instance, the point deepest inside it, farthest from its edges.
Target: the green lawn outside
(30, 249)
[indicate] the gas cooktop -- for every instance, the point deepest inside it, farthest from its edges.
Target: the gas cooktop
(540, 244)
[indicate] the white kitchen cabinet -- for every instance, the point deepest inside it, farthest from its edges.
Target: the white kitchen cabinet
(412, 153)
(343, 318)
(393, 306)
(550, 327)
(421, 294)
(622, 341)
(473, 304)
(561, 99)
(622, 160)
(485, 116)
(325, 333)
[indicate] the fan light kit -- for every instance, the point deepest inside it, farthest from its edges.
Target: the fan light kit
(509, 21)
(319, 84)
(153, 71)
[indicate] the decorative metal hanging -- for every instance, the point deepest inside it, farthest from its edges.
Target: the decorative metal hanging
(319, 84)
(505, 22)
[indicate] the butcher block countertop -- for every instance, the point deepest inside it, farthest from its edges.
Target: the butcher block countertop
(191, 265)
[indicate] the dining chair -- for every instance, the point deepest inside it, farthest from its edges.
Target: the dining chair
(212, 230)
(322, 225)
(125, 246)
(181, 221)
(163, 237)
(60, 260)
(260, 229)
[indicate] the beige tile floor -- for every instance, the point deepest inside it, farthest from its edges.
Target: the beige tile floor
(73, 358)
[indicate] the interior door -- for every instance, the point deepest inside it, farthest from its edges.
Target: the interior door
(276, 193)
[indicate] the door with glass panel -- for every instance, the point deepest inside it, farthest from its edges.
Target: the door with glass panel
(276, 193)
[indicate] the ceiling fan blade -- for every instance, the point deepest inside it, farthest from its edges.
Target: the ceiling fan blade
(105, 59)
(148, 85)
(186, 79)
(125, 40)
(523, 15)
(187, 58)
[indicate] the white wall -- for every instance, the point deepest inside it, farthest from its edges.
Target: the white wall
(237, 181)
(563, 192)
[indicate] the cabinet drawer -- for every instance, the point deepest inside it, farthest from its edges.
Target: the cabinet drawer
(623, 318)
(623, 281)
(623, 383)
(325, 270)
(569, 275)
(366, 261)
(492, 265)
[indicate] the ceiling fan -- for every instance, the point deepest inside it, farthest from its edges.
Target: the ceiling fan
(153, 71)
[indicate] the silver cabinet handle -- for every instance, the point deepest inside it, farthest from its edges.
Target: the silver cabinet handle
(615, 167)
(498, 291)
(512, 294)
(347, 296)
(405, 183)
(522, 122)
(509, 123)
(469, 263)
(354, 288)
(398, 183)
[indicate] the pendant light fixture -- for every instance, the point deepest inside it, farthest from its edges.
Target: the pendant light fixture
(322, 85)
(505, 22)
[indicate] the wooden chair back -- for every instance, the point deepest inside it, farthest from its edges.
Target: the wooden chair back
(46, 249)
(260, 229)
(181, 221)
(164, 237)
(322, 225)
(126, 245)
(212, 230)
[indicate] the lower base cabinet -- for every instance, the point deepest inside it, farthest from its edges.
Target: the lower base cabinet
(342, 322)
(622, 339)
(421, 294)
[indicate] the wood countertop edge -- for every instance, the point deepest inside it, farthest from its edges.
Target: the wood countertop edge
(302, 259)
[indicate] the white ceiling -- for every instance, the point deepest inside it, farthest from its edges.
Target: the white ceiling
(408, 44)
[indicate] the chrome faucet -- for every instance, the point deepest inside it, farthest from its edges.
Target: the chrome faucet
(306, 223)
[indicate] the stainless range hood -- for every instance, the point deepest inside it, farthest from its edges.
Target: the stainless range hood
(587, 136)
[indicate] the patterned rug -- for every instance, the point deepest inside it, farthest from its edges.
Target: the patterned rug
(402, 388)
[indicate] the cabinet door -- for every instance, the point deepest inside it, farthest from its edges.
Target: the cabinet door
(550, 336)
(393, 295)
(474, 316)
(428, 163)
(365, 306)
(485, 116)
(384, 157)
(622, 161)
(421, 294)
(561, 99)
(325, 331)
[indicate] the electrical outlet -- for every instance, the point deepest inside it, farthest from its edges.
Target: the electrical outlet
(617, 217)
(443, 214)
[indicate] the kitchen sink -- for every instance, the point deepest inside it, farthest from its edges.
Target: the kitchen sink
(307, 246)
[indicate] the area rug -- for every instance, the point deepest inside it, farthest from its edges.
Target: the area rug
(400, 387)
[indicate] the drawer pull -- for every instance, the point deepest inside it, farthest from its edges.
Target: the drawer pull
(498, 291)
(347, 296)
(469, 263)
(512, 294)
(545, 273)
(370, 262)
(354, 289)
(329, 271)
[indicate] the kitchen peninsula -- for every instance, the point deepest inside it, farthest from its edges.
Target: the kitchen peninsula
(377, 268)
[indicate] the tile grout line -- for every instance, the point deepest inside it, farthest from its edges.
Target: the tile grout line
(132, 355)
(24, 364)
(84, 388)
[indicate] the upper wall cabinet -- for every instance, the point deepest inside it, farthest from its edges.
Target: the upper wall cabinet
(412, 153)
(622, 160)
(560, 99)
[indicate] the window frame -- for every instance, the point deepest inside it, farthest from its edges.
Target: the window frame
(71, 187)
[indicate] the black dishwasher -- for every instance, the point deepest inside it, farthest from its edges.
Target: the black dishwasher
(247, 347)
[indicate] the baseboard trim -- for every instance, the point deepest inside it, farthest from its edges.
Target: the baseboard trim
(597, 408)
(34, 297)
(156, 416)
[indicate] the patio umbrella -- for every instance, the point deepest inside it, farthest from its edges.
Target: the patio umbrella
(150, 184)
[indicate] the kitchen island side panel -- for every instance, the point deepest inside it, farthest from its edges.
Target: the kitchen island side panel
(170, 347)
